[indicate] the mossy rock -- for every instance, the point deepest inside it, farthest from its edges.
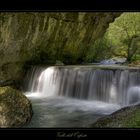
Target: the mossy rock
(15, 108)
(128, 117)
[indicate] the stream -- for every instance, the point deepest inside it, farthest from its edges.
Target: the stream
(77, 96)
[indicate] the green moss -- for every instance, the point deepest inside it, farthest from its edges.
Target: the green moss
(15, 108)
(133, 120)
(128, 117)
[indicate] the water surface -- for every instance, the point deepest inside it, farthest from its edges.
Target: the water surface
(53, 112)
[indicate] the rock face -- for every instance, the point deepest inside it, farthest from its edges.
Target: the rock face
(15, 108)
(28, 38)
(128, 117)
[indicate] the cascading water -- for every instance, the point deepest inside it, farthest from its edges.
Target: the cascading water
(84, 88)
(113, 86)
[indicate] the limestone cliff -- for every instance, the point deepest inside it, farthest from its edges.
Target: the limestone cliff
(32, 37)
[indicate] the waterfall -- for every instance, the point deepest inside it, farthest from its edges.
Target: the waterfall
(116, 86)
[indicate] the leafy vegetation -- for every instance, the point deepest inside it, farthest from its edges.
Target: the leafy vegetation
(122, 39)
(124, 35)
(99, 50)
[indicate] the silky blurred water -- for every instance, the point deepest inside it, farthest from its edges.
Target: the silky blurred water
(78, 96)
(53, 112)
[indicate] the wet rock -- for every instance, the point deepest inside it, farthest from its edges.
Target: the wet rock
(6, 82)
(59, 63)
(15, 108)
(128, 117)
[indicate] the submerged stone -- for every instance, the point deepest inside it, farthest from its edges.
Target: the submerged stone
(15, 108)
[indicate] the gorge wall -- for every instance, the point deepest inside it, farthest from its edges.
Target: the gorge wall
(28, 38)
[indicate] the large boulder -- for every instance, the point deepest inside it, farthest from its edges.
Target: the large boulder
(127, 117)
(15, 108)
